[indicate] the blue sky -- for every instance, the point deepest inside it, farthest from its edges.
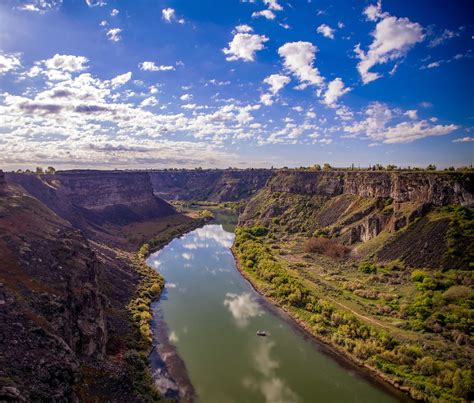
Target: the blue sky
(163, 83)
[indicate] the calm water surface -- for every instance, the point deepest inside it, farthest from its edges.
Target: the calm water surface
(212, 315)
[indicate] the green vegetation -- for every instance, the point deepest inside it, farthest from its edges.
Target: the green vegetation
(149, 288)
(439, 302)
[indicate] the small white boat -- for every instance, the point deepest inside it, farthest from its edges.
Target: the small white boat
(261, 333)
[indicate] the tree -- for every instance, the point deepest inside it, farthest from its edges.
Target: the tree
(431, 167)
(391, 167)
(327, 167)
(50, 170)
(39, 170)
(317, 167)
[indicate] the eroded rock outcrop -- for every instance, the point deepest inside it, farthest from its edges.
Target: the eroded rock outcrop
(215, 185)
(416, 187)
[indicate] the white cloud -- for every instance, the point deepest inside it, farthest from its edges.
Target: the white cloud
(9, 62)
(151, 66)
(96, 3)
(114, 34)
(376, 127)
(412, 114)
(121, 79)
(326, 31)
(67, 63)
(243, 28)
(273, 5)
(114, 12)
(393, 38)
(268, 14)
(186, 97)
(276, 82)
(464, 140)
(445, 36)
(242, 307)
(266, 99)
(298, 58)
(334, 91)
(244, 45)
(150, 101)
(40, 6)
(168, 14)
(374, 11)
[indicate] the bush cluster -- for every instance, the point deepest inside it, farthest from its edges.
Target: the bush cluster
(325, 246)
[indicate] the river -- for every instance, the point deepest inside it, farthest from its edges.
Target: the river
(207, 321)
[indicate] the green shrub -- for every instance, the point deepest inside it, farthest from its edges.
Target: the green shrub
(368, 267)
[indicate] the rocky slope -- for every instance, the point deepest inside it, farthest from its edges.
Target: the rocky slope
(211, 185)
(89, 199)
(376, 264)
(359, 206)
(66, 279)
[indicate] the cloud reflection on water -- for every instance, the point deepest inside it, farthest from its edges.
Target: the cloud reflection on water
(242, 307)
(273, 388)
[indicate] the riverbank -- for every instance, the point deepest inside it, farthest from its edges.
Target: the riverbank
(147, 291)
(325, 345)
(306, 321)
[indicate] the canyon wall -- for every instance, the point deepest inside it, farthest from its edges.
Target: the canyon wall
(416, 187)
(95, 197)
(214, 185)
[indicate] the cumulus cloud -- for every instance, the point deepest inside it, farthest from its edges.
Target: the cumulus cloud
(393, 38)
(8, 62)
(276, 82)
(268, 14)
(186, 97)
(242, 307)
(334, 91)
(298, 58)
(326, 31)
(168, 14)
(67, 63)
(376, 126)
(244, 45)
(114, 34)
(114, 12)
(273, 5)
(121, 79)
(151, 66)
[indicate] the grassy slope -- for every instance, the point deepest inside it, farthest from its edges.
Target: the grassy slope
(435, 313)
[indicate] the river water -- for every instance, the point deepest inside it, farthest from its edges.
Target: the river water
(210, 315)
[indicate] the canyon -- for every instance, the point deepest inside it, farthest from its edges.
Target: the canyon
(68, 240)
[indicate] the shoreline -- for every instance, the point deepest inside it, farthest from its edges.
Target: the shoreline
(163, 362)
(372, 375)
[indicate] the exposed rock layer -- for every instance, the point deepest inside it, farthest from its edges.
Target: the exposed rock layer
(211, 185)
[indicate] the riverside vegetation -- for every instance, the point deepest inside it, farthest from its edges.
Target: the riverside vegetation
(374, 266)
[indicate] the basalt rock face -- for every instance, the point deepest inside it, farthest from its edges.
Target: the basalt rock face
(355, 207)
(432, 188)
(65, 282)
(96, 197)
(211, 185)
(51, 306)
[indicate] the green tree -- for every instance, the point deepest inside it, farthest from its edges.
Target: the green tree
(39, 170)
(327, 167)
(431, 167)
(50, 170)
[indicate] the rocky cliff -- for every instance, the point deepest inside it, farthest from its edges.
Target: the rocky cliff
(51, 307)
(415, 187)
(215, 185)
(88, 198)
(66, 280)
(359, 206)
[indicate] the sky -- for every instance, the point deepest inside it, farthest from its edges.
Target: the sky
(235, 83)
